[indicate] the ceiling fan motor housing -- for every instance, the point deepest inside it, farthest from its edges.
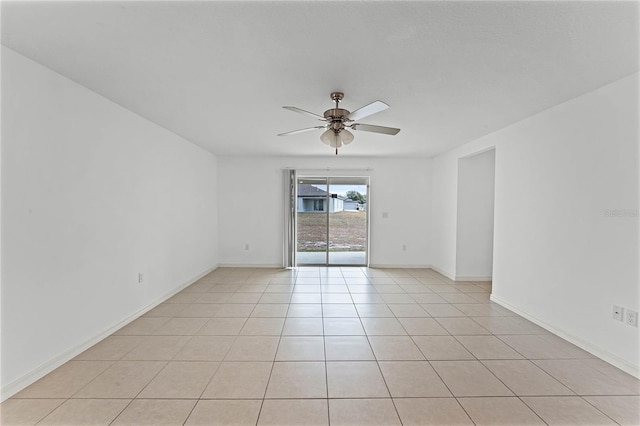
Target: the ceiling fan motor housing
(336, 116)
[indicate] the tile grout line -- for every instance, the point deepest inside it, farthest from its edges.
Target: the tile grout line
(273, 363)
(465, 314)
(375, 357)
(411, 337)
(605, 414)
(326, 367)
(235, 339)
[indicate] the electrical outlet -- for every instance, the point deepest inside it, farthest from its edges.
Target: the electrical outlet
(631, 317)
(404, 247)
(140, 277)
(385, 215)
(617, 312)
(246, 246)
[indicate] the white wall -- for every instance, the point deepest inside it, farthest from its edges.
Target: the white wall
(92, 194)
(253, 211)
(444, 205)
(444, 200)
(474, 234)
(558, 258)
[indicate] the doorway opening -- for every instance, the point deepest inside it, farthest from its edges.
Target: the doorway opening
(474, 231)
(332, 222)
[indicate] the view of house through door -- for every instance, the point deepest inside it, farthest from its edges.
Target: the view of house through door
(331, 221)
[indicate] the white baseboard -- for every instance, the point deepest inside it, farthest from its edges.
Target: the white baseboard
(47, 367)
(396, 266)
(442, 272)
(246, 265)
(372, 265)
(589, 347)
(279, 266)
(454, 277)
(458, 278)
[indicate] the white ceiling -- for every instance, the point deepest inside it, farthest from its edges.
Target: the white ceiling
(217, 73)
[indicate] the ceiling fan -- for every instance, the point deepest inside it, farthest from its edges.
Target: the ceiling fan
(337, 120)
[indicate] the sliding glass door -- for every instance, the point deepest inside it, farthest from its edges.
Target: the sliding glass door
(312, 221)
(348, 225)
(331, 221)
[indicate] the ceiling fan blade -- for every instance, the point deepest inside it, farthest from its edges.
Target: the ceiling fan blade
(301, 111)
(375, 129)
(367, 110)
(295, 132)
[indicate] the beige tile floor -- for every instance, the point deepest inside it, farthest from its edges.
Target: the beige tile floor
(339, 346)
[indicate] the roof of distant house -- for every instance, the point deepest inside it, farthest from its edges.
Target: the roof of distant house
(306, 190)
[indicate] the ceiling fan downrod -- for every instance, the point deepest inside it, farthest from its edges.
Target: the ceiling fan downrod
(337, 97)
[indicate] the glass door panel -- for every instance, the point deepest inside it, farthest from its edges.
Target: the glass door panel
(348, 228)
(312, 224)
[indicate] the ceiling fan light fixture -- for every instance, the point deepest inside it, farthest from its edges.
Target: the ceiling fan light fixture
(328, 137)
(336, 119)
(347, 137)
(336, 139)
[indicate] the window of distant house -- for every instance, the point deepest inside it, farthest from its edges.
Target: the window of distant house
(318, 205)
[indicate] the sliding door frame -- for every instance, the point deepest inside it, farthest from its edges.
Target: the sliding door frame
(327, 179)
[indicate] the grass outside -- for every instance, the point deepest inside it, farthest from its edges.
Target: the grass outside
(348, 231)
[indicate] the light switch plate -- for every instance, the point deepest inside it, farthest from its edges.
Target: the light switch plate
(617, 312)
